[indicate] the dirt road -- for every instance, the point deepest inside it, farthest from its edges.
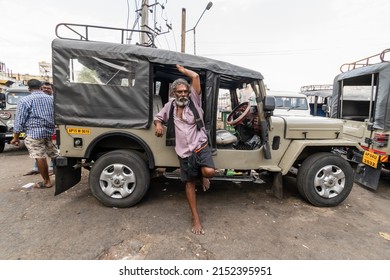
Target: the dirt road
(242, 221)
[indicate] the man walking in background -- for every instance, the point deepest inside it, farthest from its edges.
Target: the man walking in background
(48, 89)
(35, 116)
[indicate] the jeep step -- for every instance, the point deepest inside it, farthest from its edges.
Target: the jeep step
(224, 176)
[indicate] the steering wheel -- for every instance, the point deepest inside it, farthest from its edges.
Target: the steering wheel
(238, 114)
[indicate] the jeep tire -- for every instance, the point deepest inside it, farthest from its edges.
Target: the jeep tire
(119, 178)
(325, 179)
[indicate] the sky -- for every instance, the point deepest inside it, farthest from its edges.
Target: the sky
(292, 43)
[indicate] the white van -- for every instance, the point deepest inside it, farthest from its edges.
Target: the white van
(290, 103)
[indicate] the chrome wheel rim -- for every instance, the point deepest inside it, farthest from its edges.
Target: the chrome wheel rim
(117, 181)
(329, 181)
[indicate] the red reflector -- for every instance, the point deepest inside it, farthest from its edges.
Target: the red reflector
(381, 140)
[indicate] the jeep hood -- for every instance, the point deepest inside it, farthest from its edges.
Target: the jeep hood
(311, 127)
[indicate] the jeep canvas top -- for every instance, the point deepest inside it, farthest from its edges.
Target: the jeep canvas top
(361, 98)
(108, 93)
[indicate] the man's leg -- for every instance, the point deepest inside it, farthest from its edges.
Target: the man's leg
(44, 170)
(191, 198)
(51, 167)
(207, 172)
(52, 152)
(207, 169)
(37, 150)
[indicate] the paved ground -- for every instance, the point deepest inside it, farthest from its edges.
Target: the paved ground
(242, 221)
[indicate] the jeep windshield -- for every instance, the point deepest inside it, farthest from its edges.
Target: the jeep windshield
(13, 97)
(290, 103)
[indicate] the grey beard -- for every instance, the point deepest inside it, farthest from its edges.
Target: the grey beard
(181, 102)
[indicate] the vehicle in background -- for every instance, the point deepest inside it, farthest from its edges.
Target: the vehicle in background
(290, 103)
(361, 98)
(318, 97)
(8, 103)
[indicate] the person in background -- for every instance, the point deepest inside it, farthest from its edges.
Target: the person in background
(48, 89)
(186, 131)
(35, 116)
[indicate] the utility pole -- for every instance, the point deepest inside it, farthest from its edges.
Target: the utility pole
(144, 22)
(183, 25)
(183, 30)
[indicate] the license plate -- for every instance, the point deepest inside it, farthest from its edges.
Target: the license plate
(370, 159)
(11, 135)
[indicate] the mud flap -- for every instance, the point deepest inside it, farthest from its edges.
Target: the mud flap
(368, 176)
(277, 185)
(66, 175)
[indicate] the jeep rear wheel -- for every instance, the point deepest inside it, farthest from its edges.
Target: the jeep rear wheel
(325, 179)
(2, 145)
(119, 179)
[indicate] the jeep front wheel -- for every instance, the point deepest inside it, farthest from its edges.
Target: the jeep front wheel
(119, 179)
(325, 179)
(2, 145)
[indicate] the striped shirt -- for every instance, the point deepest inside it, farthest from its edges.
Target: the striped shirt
(35, 115)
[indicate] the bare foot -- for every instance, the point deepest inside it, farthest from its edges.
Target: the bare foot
(197, 227)
(41, 185)
(205, 184)
(197, 230)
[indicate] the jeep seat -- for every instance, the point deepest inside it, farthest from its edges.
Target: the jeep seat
(225, 137)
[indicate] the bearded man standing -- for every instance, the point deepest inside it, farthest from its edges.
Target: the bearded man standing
(186, 131)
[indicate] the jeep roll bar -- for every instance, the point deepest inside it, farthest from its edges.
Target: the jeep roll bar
(365, 61)
(305, 89)
(83, 33)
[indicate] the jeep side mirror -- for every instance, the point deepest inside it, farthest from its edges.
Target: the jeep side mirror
(269, 103)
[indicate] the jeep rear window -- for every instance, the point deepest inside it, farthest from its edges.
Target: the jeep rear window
(102, 71)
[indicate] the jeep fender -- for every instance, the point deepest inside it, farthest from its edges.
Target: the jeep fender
(131, 137)
(296, 148)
